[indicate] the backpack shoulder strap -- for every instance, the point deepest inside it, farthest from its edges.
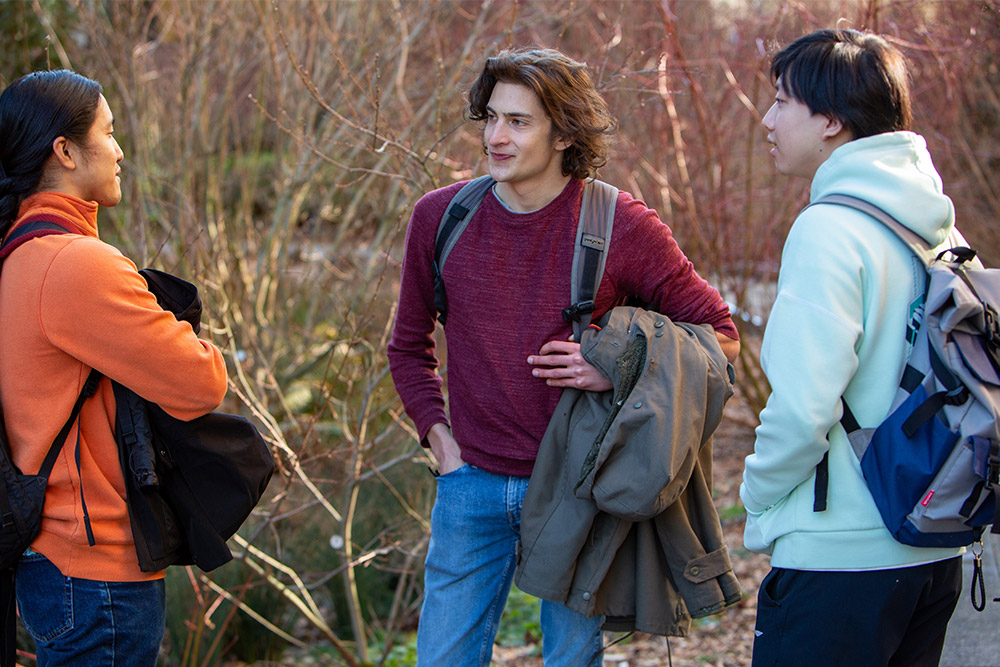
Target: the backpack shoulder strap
(593, 232)
(597, 214)
(88, 390)
(921, 248)
(31, 229)
(454, 221)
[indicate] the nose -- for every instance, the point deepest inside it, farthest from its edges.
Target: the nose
(118, 152)
(495, 135)
(768, 120)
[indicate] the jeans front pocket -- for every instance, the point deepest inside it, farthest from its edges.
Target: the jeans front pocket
(457, 472)
(44, 598)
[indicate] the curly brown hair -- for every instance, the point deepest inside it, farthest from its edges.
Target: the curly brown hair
(578, 113)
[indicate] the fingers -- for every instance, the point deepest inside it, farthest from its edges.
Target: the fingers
(557, 353)
(561, 364)
(560, 347)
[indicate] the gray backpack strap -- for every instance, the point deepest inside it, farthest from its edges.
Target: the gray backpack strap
(923, 250)
(454, 221)
(597, 217)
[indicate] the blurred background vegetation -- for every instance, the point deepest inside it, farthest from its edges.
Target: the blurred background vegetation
(274, 151)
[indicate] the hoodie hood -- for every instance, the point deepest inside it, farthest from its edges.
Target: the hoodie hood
(894, 171)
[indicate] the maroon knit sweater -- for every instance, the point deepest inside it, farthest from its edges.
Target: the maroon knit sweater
(508, 279)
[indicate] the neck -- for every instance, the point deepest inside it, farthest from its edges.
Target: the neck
(528, 197)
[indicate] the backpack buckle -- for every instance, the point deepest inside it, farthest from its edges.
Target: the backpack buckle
(573, 313)
(993, 469)
(991, 326)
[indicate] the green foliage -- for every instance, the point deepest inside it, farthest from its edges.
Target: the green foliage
(730, 513)
(520, 624)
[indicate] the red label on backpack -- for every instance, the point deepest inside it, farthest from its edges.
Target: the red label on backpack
(927, 498)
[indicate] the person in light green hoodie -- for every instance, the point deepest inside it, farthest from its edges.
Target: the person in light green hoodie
(841, 590)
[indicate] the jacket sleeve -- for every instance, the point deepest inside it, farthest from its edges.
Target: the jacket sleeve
(809, 356)
(96, 307)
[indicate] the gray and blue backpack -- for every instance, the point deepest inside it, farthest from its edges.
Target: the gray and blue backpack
(933, 464)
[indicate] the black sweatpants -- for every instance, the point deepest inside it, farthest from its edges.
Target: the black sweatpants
(876, 618)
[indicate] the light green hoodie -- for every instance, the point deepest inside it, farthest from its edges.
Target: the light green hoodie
(846, 292)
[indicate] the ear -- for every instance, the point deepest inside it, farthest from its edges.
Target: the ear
(833, 128)
(65, 152)
(561, 144)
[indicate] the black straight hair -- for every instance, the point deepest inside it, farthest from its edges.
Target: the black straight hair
(35, 110)
(855, 77)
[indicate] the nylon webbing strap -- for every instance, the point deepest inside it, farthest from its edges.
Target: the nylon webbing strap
(917, 244)
(847, 419)
(460, 210)
(597, 216)
(89, 387)
(30, 229)
(822, 484)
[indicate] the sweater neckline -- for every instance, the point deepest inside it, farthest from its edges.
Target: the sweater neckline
(80, 214)
(572, 189)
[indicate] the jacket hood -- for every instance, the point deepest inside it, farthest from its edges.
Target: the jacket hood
(894, 171)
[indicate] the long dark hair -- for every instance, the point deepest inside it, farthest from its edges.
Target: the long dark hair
(35, 110)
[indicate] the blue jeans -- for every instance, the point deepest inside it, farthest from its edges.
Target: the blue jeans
(90, 623)
(475, 527)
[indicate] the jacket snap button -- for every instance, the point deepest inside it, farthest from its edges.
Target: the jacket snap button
(696, 570)
(586, 596)
(637, 405)
(658, 324)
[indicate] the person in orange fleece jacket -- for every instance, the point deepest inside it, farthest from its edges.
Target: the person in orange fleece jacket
(70, 303)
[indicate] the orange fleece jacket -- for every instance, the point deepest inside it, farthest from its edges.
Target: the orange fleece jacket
(69, 303)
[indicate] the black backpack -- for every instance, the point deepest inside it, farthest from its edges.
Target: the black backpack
(597, 216)
(189, 485)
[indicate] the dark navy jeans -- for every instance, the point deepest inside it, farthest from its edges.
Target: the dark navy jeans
(871, 618)
(89, 623)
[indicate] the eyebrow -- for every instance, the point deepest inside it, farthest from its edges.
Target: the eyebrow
(511, 114)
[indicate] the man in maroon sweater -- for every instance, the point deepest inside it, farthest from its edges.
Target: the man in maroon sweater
(510, 352)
